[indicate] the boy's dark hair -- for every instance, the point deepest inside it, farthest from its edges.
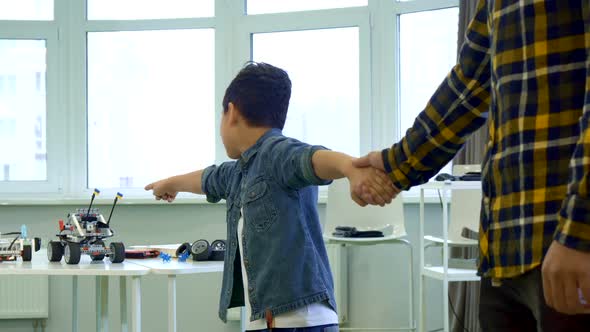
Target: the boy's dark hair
(261, 92)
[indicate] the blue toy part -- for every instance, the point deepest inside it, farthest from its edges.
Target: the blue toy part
(23, 231)
(165, 257)
(183, 257)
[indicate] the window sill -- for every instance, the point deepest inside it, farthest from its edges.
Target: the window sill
(83, 202)
(60, 200)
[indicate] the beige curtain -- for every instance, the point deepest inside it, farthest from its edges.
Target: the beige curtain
(464, 296)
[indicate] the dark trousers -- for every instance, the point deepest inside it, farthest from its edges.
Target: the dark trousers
(518, 304)
(322, 328)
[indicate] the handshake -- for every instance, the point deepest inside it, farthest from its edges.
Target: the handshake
(369, 185)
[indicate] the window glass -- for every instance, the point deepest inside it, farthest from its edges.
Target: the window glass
(150, 105)
(324, 69)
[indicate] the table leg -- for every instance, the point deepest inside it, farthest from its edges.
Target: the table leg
(243, 319)
(136, 303)
(102, 299)
(123, 303)
(172, 303)
(74, 303)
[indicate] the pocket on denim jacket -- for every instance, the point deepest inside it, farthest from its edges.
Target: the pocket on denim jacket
(258, 206)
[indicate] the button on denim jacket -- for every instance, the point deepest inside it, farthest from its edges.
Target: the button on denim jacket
(274, 184)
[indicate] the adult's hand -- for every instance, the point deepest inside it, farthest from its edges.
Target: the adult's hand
(375, 160)
(565, 271)
(377, 188)
(372, 159)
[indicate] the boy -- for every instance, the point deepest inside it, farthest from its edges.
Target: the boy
(276, 262)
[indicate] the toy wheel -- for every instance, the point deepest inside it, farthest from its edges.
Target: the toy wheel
(100, 256)
(201, 250)
(183, 248)
(54, 251)
(117, 252)
(27, 253)
(72, 253)
(37, 242)
(217, 250)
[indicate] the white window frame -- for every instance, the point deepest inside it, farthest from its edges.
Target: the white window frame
(67, 163)
(398, 9)
(48, 31)
(315, 20)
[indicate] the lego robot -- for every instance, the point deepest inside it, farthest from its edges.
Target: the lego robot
(83, 233)
(15, 244)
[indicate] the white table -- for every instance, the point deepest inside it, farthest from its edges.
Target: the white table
(101, 270)
(443, 272)
(172, 269)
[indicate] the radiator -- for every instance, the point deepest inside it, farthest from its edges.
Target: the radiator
(23, 297)
(339, 265)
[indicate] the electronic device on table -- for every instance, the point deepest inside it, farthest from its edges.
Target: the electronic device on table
(469, 176)
(83, 232)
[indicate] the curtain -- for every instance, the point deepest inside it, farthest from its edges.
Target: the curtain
(464, 296)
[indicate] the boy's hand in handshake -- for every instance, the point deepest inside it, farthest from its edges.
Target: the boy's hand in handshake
(369, 185)
(366, 188)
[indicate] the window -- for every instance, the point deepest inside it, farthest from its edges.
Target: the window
(274, 6)
(428, 51)
(324, 69)
(22, 111)
(151, 112)
(26, 10)
(149, 9)
(115, 94)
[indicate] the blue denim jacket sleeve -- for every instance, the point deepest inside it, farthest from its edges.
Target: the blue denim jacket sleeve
(215, 181)
(292, 165)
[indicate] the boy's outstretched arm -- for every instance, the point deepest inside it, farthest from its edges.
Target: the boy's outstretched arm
(375, 186)
(168, 188)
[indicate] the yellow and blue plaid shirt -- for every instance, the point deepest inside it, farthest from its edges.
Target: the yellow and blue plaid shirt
(525, 69)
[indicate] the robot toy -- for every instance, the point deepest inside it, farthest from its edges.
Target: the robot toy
(83, 232)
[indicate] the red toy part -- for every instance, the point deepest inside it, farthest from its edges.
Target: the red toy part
(141, 253)
(61, 225)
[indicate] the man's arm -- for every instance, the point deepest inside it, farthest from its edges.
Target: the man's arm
(566, 267)
(456, 109)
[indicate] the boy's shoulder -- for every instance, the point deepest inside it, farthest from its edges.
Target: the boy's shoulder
(280, 141)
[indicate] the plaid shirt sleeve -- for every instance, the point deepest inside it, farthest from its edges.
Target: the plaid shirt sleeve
(573, 230)
(456, 110)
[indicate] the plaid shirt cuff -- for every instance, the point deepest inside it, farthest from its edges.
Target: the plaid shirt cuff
(399, 179)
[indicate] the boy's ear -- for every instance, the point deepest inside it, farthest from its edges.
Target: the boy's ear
(233, 113)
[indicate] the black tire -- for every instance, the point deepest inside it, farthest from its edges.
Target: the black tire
(37, 244)
(201, 250)
(27, 253)
(72, 253)
(54, 251)
(217, 250)
(117, 252)
(98, 257)
(183, 248)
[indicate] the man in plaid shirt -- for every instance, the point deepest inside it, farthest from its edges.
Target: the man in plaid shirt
(525, 69)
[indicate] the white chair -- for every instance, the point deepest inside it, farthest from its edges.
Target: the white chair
(464, 213)
(343, 211)
(465, 207)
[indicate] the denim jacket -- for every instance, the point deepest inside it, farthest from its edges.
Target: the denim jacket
(274, 184)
